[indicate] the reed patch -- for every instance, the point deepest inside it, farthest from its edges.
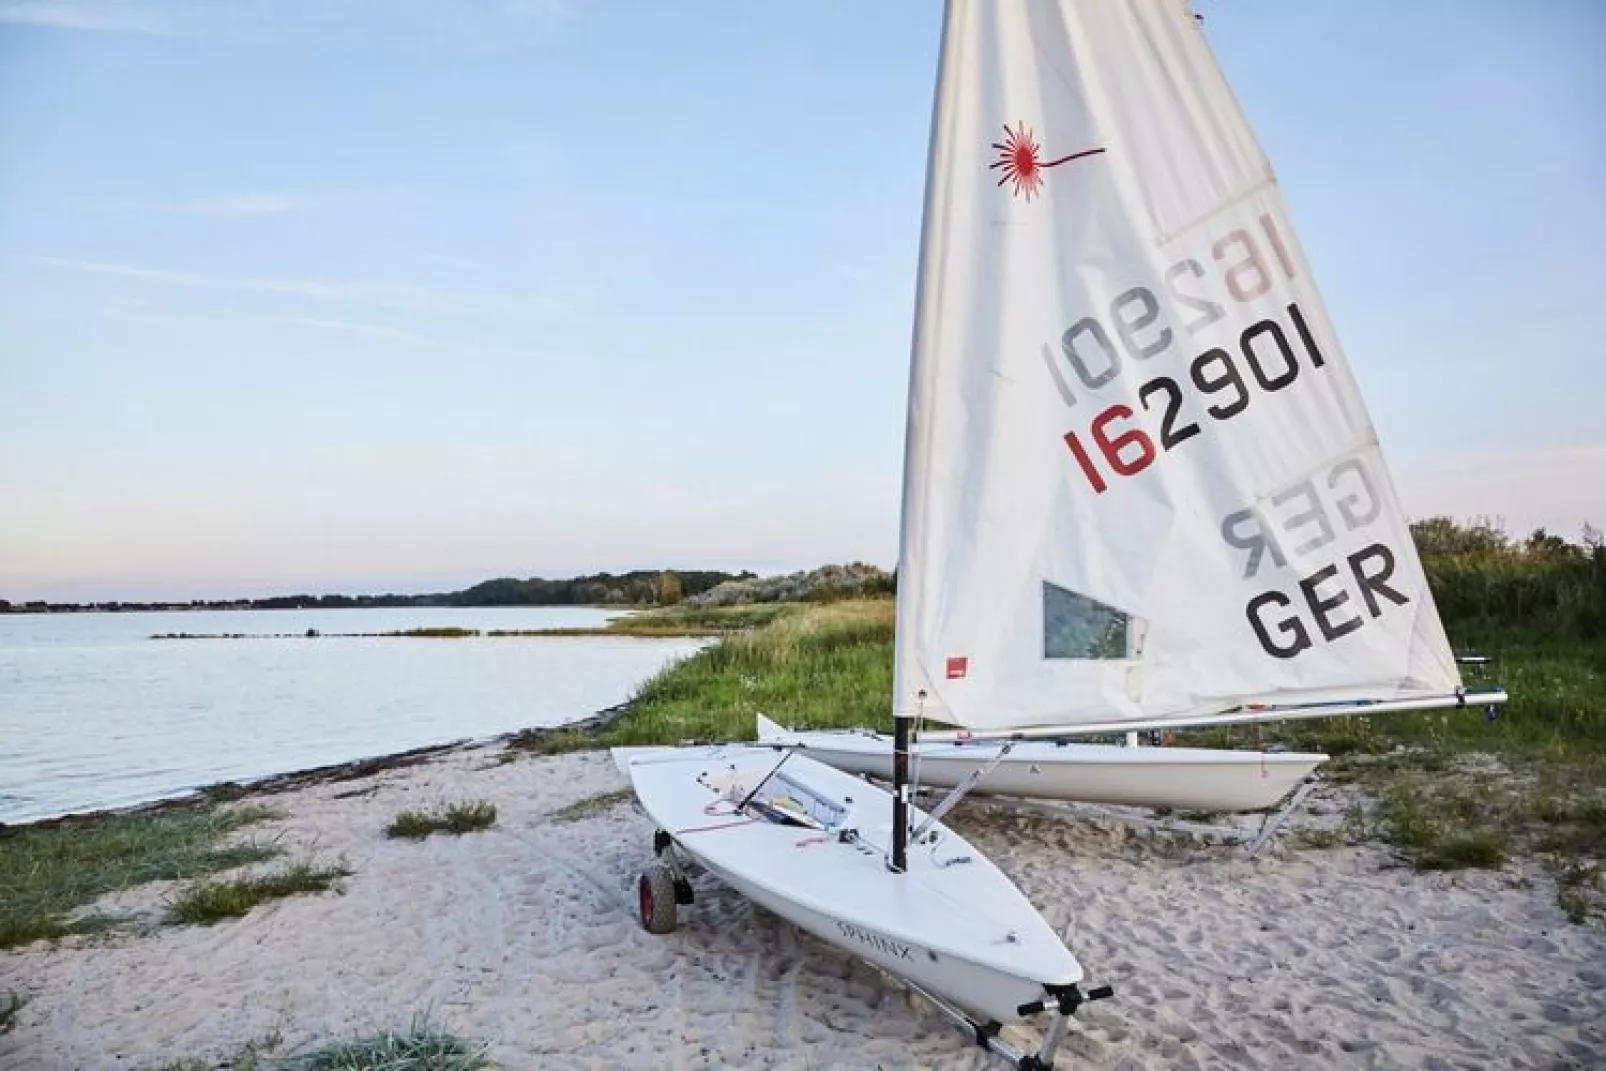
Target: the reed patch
(206, 902)
(456, 818)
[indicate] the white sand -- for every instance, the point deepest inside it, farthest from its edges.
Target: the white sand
(526, 935)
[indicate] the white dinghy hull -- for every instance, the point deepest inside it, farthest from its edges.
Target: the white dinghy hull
(1195, 779)
(953, 925)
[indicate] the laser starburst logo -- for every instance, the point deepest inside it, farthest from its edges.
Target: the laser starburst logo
(1021, 164)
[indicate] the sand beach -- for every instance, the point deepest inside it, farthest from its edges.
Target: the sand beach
(525, 935)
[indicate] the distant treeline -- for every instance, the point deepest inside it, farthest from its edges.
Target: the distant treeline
(1481, 577)
(829, 583)
(1543, 585)
(643, 587)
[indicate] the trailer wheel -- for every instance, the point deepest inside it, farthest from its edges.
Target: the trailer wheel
(656, 897)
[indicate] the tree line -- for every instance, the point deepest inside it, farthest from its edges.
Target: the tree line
(641, 587)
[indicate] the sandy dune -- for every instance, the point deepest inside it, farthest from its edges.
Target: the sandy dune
(525, 935)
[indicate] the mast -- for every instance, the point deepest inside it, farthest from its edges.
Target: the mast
(916, 430)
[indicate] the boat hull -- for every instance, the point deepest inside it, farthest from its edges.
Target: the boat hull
(953, 924)
(1197, 779)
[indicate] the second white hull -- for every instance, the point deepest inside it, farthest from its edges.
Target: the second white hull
(1195, 779)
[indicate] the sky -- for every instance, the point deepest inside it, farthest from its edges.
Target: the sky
(358, 297)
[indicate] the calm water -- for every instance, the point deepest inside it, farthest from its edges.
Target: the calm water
(94, 713)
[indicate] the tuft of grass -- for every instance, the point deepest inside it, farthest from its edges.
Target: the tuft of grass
(590, 805)
(1319, 839)
(459, 818)
(554, 741)
(421, 1048)
(48, 871)
(1448, 823)
(1578, 888)
(1476, 811)
(13, 1004)
(207, 902)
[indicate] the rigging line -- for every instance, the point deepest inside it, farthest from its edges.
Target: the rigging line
(763, 781)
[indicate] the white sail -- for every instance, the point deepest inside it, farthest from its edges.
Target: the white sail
(1141, 483)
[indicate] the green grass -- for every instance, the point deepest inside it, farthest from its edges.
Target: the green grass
(458, 818)
(206, 902)
(590, 805)
(421, 1048)
(1449, 824)
(1557, 710)
(1444, 810)
(813, 665)
(49, 871)
(1579, 888)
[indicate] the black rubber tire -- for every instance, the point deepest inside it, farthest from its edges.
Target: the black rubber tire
(655, 894)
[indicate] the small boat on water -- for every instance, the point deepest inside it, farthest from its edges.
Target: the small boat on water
(1183, 778)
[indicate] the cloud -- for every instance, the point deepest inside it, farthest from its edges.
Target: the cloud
(125, 271)
(475, 25)
(245, 204)
(105, 16)
(380, 293)
(379, 331)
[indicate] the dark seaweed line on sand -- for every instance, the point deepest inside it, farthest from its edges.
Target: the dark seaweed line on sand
(530, 739)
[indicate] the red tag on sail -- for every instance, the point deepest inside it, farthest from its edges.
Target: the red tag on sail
(957, 667)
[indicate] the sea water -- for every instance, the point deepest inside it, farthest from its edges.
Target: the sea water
(95, 713)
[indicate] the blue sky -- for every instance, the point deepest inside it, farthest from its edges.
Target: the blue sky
(350, 296)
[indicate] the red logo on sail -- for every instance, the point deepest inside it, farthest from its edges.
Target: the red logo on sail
(1018, 157)
(957, 665)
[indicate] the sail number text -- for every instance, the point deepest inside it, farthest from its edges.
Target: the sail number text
(1265, 358)
(1126, 448)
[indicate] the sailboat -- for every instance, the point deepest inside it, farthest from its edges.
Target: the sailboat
(1141, 491)
(1126, 775)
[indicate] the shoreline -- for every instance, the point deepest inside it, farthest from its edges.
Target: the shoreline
(527, 739)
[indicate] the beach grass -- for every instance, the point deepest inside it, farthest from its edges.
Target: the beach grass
(1447, 810)
(819, 665)
(590, 805)
(420, 1048)
(456, 818)
(49, 871)
(1556, 710)
(206, 902)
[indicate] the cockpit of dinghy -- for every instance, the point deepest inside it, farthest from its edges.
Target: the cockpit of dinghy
(775, 797)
